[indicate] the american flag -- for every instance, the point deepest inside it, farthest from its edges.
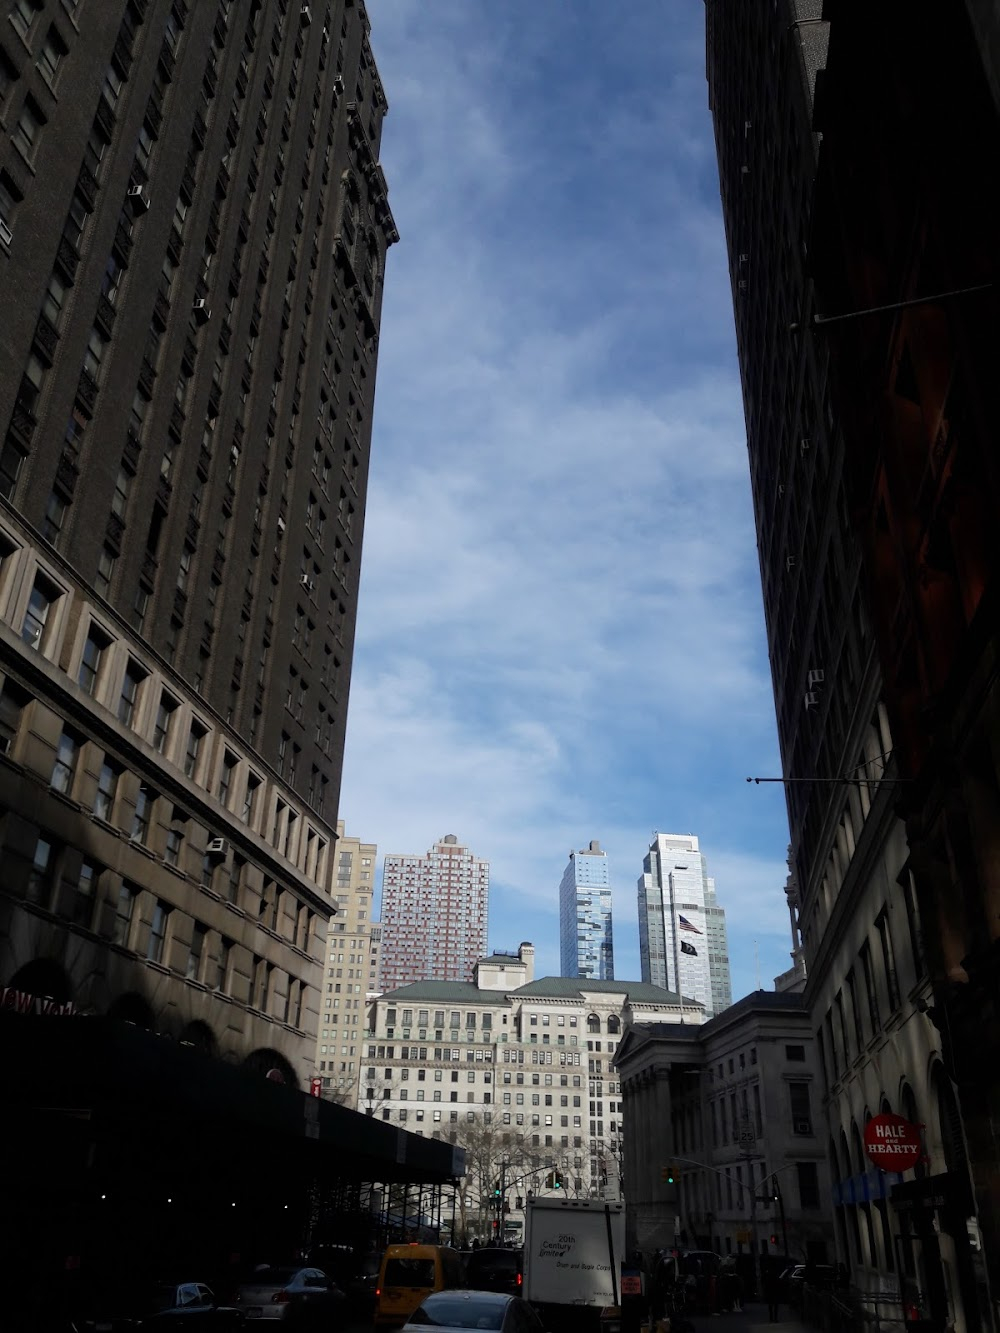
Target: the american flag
(686, 925)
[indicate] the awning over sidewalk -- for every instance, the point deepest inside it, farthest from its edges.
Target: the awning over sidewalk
(123, 1079)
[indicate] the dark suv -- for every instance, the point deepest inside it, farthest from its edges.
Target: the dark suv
(495, 1270)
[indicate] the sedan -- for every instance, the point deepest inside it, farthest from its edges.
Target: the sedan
(163, 1305)
(305, 1297)
(455, 1310)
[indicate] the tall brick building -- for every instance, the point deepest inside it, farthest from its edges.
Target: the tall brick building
(435, 915)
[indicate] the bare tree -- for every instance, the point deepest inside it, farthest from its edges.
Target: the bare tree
(492, 1153)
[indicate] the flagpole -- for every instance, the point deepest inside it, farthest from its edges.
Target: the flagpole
(675, 928)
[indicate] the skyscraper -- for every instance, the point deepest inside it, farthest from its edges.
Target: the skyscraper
(586, 943)
(813, 475)
(682, 929)
(435, 913)
(348, 967)
(193, 227)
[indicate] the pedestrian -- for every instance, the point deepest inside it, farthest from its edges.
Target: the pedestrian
(772, 1292)
(737, 1291)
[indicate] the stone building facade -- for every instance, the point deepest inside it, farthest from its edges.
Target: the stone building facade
(730, 1110)
(193, 229)
(529, 1063)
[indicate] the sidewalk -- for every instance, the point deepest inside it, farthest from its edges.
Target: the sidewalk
(753, 1320)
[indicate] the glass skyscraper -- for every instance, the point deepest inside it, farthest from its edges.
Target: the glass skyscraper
(682, 928)
(586, 948)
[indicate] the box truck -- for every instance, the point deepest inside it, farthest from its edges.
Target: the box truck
(573, 1251)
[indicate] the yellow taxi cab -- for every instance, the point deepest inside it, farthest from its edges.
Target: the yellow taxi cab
(408, 1274)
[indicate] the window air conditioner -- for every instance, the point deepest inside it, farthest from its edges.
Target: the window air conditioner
(202, 314)
(138, 200)
(811, 701)
(306, 582)
(305, 17)
(217, 847)
(805, 444)
(6, 235)
(803, 1127)
(791, 561)
(743, 284)
(816, 677)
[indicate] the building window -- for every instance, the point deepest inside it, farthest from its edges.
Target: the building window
(11, 459)
(229, 765)
(123, 914)
(164, 717)
(158, 932)
(795, 1053)
(12, 703)
(143, 813)
(43, 595)
(107, 789)
(55, 300)
(798, 1094)
(94, 355)
(222, 964)
(52, 521)
(65, 765)
(40, 874)
(195, 737)
(172, 850)
(50, 55)
(28, 127)
(193, 970)
(888, 961)
(105, 572)
(90, 663)
(250, 798)
(133, 678)
(82, 910)
(22, 15)
(808, 1184)
(123, 484)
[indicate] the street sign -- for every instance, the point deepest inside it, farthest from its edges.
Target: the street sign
(747, 1135)
(892, 1143)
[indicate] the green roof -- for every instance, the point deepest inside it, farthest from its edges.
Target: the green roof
(572, 988)
(458, 992)
(546, 988)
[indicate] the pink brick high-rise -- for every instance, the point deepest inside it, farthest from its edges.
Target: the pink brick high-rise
(435, 910)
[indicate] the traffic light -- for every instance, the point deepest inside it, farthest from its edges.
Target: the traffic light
(557, 1180)
(667, 1175)
(496, 1189)
(774, 1240)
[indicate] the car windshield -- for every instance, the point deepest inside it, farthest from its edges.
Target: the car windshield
(457, 1311)
(272, 1277)
(409, 1273)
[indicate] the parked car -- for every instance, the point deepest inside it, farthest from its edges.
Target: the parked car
(305, 1297)
(119, 1309)
(494, 1269)
(795, 1278)
(459, 1310)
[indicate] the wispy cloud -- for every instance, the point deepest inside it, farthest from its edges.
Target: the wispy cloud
(560, 633)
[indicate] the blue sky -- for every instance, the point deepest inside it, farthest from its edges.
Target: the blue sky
(560, 634)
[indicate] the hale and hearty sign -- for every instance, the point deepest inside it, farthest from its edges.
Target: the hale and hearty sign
(893, 1143)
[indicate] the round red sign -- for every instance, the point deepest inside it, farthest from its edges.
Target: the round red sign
(893, 1143)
